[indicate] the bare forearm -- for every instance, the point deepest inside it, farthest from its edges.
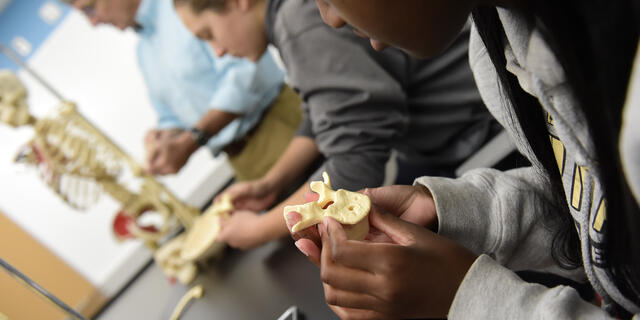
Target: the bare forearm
(274, 224)
(215, 120)
(299, 155)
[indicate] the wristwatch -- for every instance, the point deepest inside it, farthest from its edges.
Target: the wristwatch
(201, 137)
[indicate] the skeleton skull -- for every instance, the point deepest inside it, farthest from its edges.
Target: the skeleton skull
(13, 100)
(348, 208)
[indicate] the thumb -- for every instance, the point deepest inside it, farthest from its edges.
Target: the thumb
(310, 196)
(334, 230)
(222, 234)
(332, 234)
(235, 191)
(228, 190)
(400, 231)
(151, 161)
(393, 199)
(220, 195)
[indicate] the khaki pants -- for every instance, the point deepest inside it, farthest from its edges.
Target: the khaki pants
(271, 137)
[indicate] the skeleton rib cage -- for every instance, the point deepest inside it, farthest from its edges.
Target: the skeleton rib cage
(80, 163)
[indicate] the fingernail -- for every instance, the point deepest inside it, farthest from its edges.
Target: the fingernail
(299, 248)
(325, 226)
(288, 220)
(320, 227)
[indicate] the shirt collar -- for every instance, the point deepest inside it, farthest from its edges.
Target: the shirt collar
(145, 14)
(272, 11)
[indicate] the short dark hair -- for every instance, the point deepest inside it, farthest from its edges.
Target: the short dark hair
(198, 6)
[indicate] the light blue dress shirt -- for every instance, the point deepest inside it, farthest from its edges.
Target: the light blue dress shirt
(185, 79)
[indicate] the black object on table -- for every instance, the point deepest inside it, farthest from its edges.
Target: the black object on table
(261, 283)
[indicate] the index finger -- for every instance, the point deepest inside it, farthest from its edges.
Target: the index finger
(150, 161)
(236, 190)
(219, 196)
(350, 253)
(152, 135)
(310, 196)
(393, 199)
(310, 233)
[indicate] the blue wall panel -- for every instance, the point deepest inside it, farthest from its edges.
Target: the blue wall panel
(23, 18)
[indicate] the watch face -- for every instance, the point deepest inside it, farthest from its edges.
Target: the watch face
(199, 136)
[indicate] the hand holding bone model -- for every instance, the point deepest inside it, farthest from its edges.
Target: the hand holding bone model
(384, 276)
(416, 275)
(411, 203)
(254, 195)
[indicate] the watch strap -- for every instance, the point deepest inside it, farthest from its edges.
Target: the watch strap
(199, 136)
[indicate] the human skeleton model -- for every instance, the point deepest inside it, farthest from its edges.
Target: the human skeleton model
(79, 163)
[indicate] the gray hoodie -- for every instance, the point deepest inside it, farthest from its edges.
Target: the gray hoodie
(502, 216)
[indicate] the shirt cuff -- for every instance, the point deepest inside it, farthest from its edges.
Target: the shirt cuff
(454, 221)
(169, 125)
(491, 291)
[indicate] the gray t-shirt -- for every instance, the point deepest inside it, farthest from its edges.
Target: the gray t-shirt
(359, 104)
